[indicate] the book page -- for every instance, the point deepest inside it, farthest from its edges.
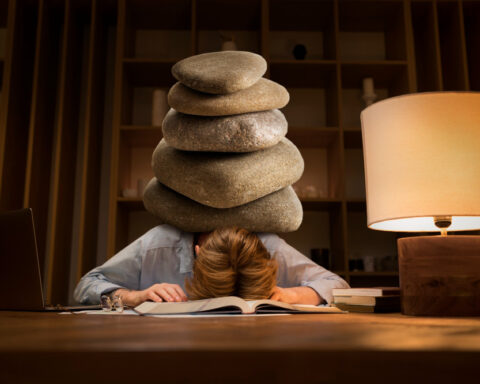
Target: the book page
(272, 305)
(228, 304)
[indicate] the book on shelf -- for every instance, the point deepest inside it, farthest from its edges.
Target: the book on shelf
(375, 292)
(230, 305)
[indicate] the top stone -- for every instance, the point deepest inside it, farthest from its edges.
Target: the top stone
(220, 72)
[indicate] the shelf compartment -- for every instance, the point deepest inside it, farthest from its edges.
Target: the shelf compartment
(149, 72)
(354, 174)
(360, 239)
(452, 47)
(313, 88)
(158, 29)
(320, 229)
(228, 15)
(356, 205)
(133, 203)
(237, 19)
(305, 137)
(471, 12)
(321, 178)
(211, 40)
(352, 138)
(136, 149)
(362, 281)
(390, 79)
(311, 23)
(141, 78)
(141, 136)
(427, 46)
(372, 30)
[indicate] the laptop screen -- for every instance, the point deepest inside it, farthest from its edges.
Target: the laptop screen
(20, 280)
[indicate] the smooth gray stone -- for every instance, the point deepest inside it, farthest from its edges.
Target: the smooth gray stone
(247, 132)
(220, 72)
(280, 211)
(261, 96)
(225, 180)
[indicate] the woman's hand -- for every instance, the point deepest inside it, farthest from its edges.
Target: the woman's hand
(296, 295)
(157, 292)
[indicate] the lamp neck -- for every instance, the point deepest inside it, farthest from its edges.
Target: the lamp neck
(443, 222)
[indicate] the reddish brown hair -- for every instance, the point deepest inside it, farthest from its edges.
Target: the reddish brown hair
(232, 262)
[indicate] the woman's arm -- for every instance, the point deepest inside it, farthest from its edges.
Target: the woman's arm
(157, 292)
(302, 280)
(121, 271)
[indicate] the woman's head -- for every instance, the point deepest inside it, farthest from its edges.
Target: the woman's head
(232, 262)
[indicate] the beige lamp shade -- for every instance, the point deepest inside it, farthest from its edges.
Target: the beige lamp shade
(422, 160)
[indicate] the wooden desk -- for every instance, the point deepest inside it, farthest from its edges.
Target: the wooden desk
(34, 347)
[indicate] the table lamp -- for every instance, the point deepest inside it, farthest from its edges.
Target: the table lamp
(422, 174)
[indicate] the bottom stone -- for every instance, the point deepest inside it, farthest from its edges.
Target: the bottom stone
(280, 211)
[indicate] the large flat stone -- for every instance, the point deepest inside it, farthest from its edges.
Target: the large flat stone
(225, 180)
(280, 211)
(220, 72)
(261, 96)
(246, 132)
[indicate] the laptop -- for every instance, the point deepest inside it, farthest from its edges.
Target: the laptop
(20, 279)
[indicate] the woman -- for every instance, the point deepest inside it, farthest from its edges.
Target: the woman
(165, 262)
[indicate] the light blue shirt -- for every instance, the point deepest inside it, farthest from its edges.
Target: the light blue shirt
(165, 255)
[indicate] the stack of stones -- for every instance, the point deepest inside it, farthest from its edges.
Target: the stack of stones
(224, 159)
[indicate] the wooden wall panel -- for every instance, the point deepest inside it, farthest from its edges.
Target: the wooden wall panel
(65, 155)
(16, 98)
(92, 144)
(118, 103)
(42, 120)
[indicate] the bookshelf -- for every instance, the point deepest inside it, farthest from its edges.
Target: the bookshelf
(346, 41)
(76, 81)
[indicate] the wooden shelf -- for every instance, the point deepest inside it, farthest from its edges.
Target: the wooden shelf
(151, 60)
(377, 273)
(303, 63)
(391, 75)
(320, 204)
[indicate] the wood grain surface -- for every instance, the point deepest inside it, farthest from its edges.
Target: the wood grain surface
(311, 348)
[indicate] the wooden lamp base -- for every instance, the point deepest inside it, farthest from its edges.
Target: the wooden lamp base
(440, 275)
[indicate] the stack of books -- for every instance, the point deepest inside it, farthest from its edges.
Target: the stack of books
(378, 300)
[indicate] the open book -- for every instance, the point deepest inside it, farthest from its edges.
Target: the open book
(230, 305)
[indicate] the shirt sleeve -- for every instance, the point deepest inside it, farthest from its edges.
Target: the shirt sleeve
(295, 269)
(121, 271)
